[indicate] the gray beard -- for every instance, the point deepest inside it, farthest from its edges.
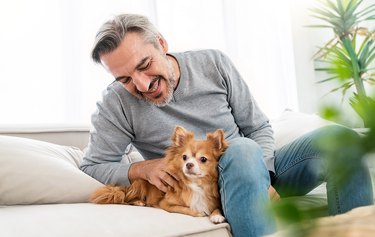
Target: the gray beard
(171, 84)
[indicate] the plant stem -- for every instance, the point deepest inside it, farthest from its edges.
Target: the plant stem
(356, 67)
(358, 82)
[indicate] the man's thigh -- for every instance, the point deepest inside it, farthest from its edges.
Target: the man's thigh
(298, 166)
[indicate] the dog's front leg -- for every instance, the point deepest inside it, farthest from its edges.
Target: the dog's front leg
(216, 217)
(180, 209)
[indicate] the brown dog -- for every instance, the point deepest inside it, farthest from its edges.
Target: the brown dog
(194, 163)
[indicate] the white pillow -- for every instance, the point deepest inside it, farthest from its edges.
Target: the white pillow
(36, 172)
(291, 125)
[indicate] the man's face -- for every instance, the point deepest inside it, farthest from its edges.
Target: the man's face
(143, 69)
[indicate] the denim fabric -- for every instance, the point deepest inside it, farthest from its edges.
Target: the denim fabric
(243, 184)
(244, 181)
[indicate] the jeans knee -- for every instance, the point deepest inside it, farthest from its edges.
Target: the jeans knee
(243, 158)
(333, 133)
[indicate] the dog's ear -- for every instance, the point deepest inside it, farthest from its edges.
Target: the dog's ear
(217, 138)
(181, 135)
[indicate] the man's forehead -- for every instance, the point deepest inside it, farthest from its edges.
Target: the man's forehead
(130, 54)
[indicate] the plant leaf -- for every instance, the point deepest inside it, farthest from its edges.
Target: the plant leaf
(366, 11)
(328, 79)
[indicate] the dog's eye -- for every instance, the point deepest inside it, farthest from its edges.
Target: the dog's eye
(203, 159)
(184, 157)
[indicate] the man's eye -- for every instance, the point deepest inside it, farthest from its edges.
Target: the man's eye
(145, 67)
(124, 80)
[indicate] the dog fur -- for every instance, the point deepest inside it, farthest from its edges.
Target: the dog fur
(194, 163)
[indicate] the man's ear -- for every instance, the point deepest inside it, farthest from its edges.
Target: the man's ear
(163, 43)
(180, 136)
(217, 138)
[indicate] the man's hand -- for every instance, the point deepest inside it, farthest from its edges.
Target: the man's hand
(274, 196)
(154, 172)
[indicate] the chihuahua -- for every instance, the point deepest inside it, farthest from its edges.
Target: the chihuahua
(194, 164)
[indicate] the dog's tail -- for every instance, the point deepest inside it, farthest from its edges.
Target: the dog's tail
(109, 195)
(140, 193)
(134, 195)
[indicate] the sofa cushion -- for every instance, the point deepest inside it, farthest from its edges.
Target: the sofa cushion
(33, 172)
(290, 125)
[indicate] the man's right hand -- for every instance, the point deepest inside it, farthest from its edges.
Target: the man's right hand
(273, 194)
(154, 172)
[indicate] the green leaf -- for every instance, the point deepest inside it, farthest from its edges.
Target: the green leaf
(328, 79)
(371, 54)
(326, 49)
(364, 56)
(340, 7)
(330, 113)
(352, 6)
(364, 42)
(332, 6)
(369, 18)
(366, 11)
(325, 13)
(319, 26)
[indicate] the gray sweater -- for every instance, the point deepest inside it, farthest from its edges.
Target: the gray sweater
(210, 95)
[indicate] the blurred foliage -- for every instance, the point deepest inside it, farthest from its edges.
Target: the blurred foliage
(338, 144)
(347, 58)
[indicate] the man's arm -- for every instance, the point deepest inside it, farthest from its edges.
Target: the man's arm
(253, 123)
(109, 137)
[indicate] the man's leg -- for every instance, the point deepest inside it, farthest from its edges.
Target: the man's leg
(243, 183)
(300, 168)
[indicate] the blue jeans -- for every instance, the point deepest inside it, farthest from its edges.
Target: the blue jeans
(244, 181)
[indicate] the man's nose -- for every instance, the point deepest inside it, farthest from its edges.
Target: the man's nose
(142, 82)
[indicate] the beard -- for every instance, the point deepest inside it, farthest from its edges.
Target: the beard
(170, 82)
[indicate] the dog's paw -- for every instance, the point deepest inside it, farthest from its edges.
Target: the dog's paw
(217, 218)
(138, 203)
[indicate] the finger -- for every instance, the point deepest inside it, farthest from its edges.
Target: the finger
(175, 177)
(162, 187)
(275, 196)
(272, 193)
(169, 180)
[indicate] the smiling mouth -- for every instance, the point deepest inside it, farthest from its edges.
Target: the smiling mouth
(154, 85)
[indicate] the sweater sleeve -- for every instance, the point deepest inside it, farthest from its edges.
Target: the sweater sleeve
(252, 122)
(109, 138)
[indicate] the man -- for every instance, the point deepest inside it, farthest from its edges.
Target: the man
(155, 90)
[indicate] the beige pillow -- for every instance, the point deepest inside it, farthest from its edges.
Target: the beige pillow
(36, 172)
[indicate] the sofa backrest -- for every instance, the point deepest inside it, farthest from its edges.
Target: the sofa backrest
(77, 136)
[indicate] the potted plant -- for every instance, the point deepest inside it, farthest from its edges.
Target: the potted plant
(349, 56)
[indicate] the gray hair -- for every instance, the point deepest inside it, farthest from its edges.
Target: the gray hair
(113, 32)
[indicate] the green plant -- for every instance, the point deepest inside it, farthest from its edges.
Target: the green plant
(341, 149)
(348, 57)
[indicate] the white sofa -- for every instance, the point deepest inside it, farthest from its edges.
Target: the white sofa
(43, 193)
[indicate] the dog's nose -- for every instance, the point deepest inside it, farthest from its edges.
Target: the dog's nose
(189, 166)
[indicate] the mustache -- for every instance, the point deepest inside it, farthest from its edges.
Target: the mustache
(155, 80)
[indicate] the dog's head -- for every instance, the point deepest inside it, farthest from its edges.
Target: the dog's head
(196, 158)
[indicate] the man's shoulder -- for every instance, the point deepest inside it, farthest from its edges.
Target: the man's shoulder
(200, 57)
(201, 53)
(115, 92)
